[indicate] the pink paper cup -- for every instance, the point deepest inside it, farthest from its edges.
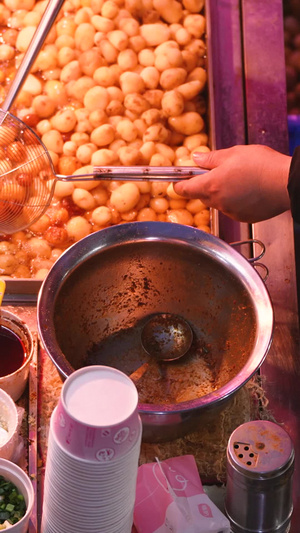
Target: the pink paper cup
(97, 418)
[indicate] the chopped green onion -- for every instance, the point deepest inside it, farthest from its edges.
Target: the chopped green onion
(12, 503)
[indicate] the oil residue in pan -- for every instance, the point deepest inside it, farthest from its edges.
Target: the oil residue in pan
(201, 371)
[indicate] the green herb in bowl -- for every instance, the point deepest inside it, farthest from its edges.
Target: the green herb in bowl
(12, 504)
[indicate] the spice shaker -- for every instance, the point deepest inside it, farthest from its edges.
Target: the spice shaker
(260, 464)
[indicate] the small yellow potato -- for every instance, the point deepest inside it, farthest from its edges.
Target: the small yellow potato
(159, 160)
(159, 205)
(198, 48)
(129, 156)
(127, 130)
(147, 150)
(182, 36)
(129, 216)
(115, 93)
(131, 82)
(159, 189)
(145, 189)
(84, 199)
(64, 120)
(80, 138)
(102, 216)
(90, 60)
(194, 6)
(109, 9)
(180, 216)
(63, 188)
(146, 57)
(96, 98)
(190, 89)
(198, 74)
(172, 77)
(38, 247)
(84, 36)
(125, 197)
(53, 141)
(101, 195)
(71, 71)
(190, 60)
(136, 102)
(98, 117)
(141, 126)
(202, 218)
(155, 34)
(137, 43)
(127, 59)
(102, 24)
(103, 158)
(78, 228)
(195, 25)
(56, 91)
(147, 213)
(178, 203)
(66, 26)
(65, 55)
(151, 76)
(170, 58)
(43, 106)
(129, 25)
(70, 148)
(63, 41)
(103, 135)
(119, 39)
(195, 206)
(169, 10)
(105, 76)
(172, 103)
(85, 152)
(188, 123)
(24, 38)
(154, 97)
(192, 141)
(108, 51)
(157, 133)
(166, 151)
(8, 264)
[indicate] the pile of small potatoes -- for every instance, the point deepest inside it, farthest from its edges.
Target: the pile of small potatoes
(118, 82)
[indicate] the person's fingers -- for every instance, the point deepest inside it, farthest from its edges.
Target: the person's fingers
(210, 160)
(195, 187)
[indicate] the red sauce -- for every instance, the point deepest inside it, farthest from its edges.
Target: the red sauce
(12, 352)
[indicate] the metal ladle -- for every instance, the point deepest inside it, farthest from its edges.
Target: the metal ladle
(166, 337)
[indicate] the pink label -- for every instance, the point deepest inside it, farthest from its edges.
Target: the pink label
(205, 510)
(98, 444)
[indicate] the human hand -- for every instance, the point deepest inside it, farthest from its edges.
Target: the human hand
(247, 183)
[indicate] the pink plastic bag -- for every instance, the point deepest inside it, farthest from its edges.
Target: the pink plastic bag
(170, 498)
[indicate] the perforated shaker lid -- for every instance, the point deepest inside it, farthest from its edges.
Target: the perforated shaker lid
(260, 447)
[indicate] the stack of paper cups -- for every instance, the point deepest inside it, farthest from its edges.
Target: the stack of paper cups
(93, 452)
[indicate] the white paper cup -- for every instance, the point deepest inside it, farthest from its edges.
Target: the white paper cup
(9, 426)
(16, 475)
(14, 384)
(97, 415)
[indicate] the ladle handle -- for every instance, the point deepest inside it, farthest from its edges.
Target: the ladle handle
(36, 44)
(138, 174)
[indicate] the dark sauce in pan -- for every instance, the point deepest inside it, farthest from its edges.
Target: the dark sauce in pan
(12, 352)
